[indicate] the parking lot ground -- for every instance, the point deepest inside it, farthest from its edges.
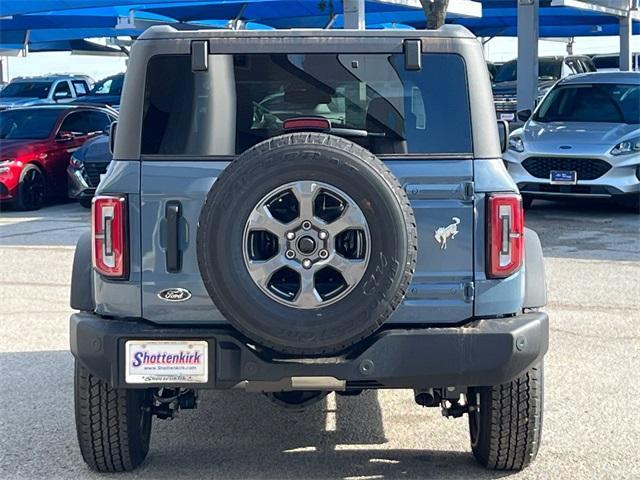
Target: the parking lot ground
(591, 421)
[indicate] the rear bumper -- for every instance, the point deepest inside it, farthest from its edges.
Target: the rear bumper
(484, 352)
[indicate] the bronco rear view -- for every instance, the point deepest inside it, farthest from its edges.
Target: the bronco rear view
(304, 212)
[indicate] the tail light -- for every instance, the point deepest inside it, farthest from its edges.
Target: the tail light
(505, 241)
(109, 232)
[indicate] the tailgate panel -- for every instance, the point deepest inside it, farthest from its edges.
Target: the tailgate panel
(439, 190)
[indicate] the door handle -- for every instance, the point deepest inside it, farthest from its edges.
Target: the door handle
(173, 214)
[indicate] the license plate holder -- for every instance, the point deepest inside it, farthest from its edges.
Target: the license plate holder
(166, 361)
(563, 177)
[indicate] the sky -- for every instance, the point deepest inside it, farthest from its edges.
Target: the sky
(498, 49)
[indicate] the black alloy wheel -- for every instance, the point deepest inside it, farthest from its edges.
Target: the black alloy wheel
(31, 189)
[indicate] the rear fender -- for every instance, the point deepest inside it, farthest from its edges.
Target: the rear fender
(81, 276)
(535, 294)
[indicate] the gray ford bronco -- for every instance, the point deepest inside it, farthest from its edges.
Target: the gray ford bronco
(304, 212)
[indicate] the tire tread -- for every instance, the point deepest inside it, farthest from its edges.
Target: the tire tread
(102, 416)
(515, 423)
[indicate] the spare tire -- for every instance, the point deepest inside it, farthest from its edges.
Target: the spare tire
(306, 243)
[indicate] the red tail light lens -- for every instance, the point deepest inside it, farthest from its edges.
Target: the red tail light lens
(505, 241)
(108, 218)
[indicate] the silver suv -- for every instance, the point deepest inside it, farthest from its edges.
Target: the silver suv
(582, 141)
(25, 91)
(303, 212)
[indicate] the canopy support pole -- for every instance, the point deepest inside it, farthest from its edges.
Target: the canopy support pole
(353, 14)
(528, 33)
(625, 43)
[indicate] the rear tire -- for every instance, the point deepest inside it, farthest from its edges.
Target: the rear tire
(527, 202)
(32, 189)
(85, 202)
(113, 425)
(505, 421)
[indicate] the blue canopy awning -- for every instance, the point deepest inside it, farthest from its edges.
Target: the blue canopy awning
(37, 21)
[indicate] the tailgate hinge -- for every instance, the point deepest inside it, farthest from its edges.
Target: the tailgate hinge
(469, 290)
(469, 190)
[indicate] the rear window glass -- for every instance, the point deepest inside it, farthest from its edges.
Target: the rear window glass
(369, 98)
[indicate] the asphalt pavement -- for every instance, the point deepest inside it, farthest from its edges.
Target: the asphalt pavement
(591, 421)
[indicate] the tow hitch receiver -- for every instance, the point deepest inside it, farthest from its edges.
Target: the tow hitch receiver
(167, 402)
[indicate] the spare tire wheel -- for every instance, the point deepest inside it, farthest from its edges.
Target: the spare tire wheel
(307, 243)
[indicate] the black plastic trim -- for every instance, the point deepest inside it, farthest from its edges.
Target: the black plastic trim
(484, 352)
(173, 213)
(82, 275)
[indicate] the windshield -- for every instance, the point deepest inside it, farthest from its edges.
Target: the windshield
(591, 103)
(548, 69)
(109, 86)
(26, 90)
(32, 123)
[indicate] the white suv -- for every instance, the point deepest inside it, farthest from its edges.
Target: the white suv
(40, 90)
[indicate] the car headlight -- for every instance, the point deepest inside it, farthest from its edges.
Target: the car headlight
(516, 144)
(75, 162)
(627, 147)
(4, 165)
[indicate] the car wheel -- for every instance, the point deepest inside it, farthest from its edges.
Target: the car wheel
(113, 425)
(307, 243)
(527, 202)
(505, 421)
(32, 189)
(85, 202)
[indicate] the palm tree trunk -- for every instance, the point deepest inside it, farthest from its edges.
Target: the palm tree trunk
(435, 11)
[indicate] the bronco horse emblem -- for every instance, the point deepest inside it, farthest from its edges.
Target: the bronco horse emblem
(444, 233)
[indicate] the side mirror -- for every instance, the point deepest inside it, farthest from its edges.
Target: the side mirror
(524, 115)
(112, 137)
(64, 136)
(503, 134)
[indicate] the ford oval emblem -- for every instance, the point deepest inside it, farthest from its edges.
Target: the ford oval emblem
(175, 294)
(565, 147)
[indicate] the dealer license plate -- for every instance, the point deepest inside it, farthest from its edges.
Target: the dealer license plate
(563, 177)
(154, 361)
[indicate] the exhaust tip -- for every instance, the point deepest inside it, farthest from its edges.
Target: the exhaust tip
(427, 397)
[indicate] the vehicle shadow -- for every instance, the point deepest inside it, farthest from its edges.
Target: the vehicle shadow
(586, 229)
(240, 436)
(232, 435)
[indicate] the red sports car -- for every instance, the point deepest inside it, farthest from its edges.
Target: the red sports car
(36, 144)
